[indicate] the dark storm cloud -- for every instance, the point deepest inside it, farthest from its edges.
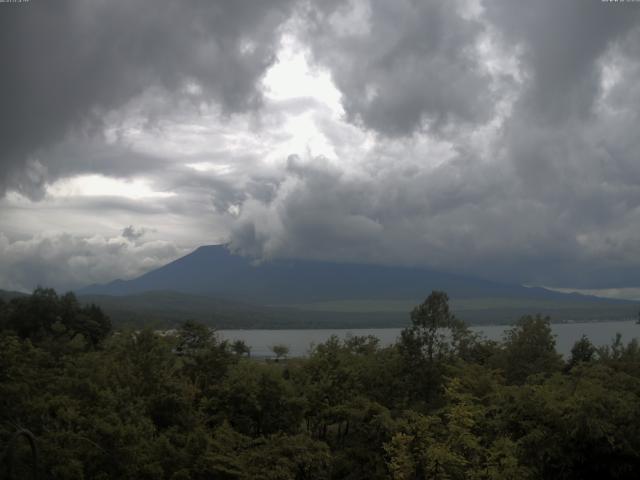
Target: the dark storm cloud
(562, 43)
(65, 63)
(87, 154)
(570, 142)
(319, 211)
(402, 65)
(500, 141)
(555, 198)
(462, 216)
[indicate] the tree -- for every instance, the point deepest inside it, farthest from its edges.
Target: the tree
(256, 400)
(90, 322)
(582, 351)
(34, 316)
(3, 314)
(240, 348)
(44, 316)
(205, 360)
(194, 337)
(530, 348)
(434, 338)
(280, 350)
(435, 333)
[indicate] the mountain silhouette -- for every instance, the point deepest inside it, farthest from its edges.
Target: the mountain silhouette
(215, 271)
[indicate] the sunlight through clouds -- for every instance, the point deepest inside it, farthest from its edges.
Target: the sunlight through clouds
(293, 77)
(98, 185)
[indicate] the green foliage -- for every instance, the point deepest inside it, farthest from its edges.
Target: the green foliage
(280, 351)
(435, 333)
(440, 404)
(256, 400)
(46, 318)
(529, 348)
(240, 348)
(582, 351)
(434, 338)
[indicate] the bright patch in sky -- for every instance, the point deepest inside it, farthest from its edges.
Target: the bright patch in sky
(99, 185)
(211, 167)
(292, 77)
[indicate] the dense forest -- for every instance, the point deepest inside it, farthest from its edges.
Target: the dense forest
(442, 403)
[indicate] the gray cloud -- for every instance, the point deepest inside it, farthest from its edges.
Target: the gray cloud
(66, 64)
(132, 234)
(561, 44)
(67, 261)
(399, 216)
(402, 66)
(462, 216)
(553, 200)
(499, 142)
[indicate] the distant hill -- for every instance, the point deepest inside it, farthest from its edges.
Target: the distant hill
(212, 284)
(162, 309)
(7, 295)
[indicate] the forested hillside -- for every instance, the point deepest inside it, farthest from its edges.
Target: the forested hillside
(440, 404)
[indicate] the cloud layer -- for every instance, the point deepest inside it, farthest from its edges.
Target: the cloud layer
(69, 261)
(403, 66)
(493, 138)
(69, 64)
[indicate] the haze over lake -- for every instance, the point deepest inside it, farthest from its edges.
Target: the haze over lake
(300, 341)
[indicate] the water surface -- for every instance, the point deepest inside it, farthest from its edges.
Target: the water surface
(300, 341)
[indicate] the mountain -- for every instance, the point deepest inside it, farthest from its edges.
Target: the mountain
(212, 284)
(214, 270)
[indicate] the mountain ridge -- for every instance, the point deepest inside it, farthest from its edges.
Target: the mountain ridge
(215, 286)
(213, 270)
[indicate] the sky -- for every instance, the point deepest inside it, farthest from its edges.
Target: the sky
(497, 139)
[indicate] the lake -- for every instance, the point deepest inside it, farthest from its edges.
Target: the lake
(299, 341)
